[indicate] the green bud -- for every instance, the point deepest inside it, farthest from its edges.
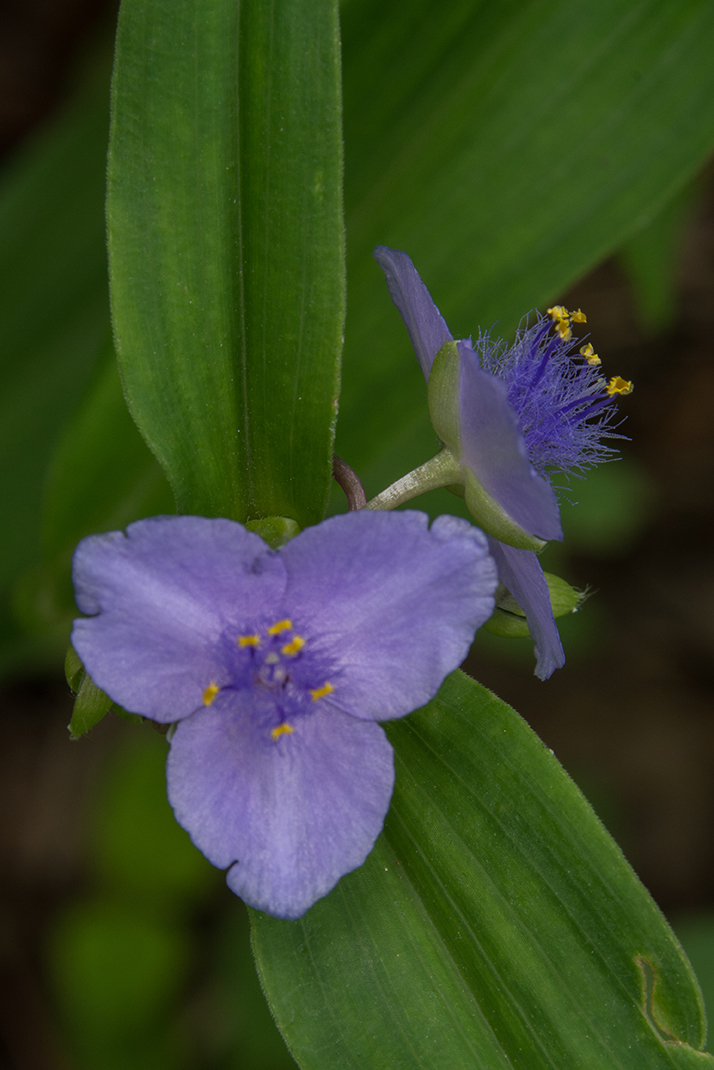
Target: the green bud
(509, 619)
(91, 704)
(275, 530)
(73, 669)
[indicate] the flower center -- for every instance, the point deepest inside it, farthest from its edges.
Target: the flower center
(277, 663)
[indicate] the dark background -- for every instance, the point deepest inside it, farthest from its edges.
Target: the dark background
(630, 717)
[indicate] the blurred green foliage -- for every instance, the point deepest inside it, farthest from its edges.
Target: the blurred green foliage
(131, 981)
(508, 147)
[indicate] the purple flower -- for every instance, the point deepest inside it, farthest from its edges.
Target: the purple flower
(511, 417)
(277, 664)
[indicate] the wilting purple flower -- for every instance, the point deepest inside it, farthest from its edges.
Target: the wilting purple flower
(511, 416)
(277, 664)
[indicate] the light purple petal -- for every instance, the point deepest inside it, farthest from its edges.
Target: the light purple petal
(162, 595)
(291, 816)
(395, 603)
(427, 327)
(493, 448)
(520, 571)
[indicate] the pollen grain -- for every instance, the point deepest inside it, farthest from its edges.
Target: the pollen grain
(248, 640)
(320, 692)
(590, 355)
(294, 646)
(280, 626)
(282, 730)
(619, 386)
(210, 693)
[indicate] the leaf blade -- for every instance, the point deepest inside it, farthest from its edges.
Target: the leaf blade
(226, 248)
(494, 898)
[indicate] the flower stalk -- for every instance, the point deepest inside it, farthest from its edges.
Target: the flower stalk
(441, 471)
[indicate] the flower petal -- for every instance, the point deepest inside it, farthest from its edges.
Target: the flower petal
(493, 448)
(289, 816)
(162, 596)
(427, 327)
(522, 574)
(395, 603)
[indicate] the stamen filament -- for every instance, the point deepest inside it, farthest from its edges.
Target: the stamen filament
(550, 350)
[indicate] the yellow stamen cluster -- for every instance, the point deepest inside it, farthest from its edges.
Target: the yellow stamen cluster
(619, 386)
(291, 648)
(590, 355)
(320, 692)
(210, 693)
(562, 320)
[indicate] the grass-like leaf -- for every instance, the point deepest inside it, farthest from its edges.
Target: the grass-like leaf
(496, 924)
(226, 247)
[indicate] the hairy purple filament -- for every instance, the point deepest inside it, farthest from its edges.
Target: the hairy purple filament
(556, 403)
(546, 356)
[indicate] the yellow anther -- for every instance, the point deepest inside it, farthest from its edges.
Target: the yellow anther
(619, 386)
(280, 626)
(281, 730)
(210, 693)
(578, 317)
(248, 640)
(320, 692)
(294, 646)
(561, 321)
(590, 355)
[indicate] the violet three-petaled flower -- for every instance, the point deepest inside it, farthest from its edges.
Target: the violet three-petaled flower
(511, 416)
(276, 666)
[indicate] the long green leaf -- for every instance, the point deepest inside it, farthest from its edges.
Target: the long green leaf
(507, 148)
(226, 247)
(496, 924)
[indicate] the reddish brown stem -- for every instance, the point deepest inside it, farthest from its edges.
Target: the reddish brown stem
(350, 483)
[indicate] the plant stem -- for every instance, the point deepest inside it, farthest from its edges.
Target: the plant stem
(350, 483)
(441, 471)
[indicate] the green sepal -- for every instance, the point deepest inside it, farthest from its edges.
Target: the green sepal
(91, 703)
(443, 397)
(73, 669)
(275, 530)
(509, 619)
(493, 519)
